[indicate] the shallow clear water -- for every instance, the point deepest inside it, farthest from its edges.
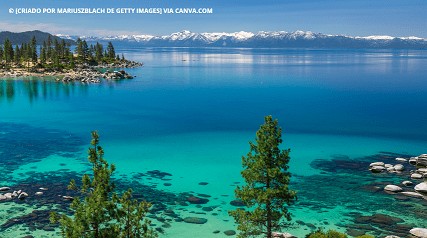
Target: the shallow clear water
(191, 113)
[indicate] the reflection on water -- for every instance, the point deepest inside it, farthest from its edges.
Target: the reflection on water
(34, 88)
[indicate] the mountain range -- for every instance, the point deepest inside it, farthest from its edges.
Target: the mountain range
(25, 37)
(262, 39)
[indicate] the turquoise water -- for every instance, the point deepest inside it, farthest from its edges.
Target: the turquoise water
(191, 113)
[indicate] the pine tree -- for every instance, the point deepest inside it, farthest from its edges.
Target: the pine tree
(111, 53)
(101, 213)
(17, 56)
(98, 52)
(49, 48)
(266, 192)
(34, 49)
(8, 51)
(43, 54)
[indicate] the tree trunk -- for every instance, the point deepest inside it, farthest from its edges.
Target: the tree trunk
(269, 231)
(268, 209)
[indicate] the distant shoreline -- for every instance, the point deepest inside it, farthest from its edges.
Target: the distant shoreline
(82, 73)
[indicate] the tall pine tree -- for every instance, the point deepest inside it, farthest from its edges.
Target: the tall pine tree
(266, 192)
(100, 212)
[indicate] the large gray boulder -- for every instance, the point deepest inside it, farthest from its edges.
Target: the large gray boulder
(376, 164)
(421, 187)
(399, 167)
(401, 159)
(4, 188)
(393, 188)
(416, 176)
(419, 232)
(377, 169)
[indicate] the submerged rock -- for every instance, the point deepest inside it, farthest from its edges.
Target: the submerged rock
(419, 232)
(412, 194)
(237, 203)
(195, 220)
(197, 200)
(229, 233)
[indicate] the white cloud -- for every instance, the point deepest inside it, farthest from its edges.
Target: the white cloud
(58, 29)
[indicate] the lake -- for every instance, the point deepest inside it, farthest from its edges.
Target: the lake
(190, 114)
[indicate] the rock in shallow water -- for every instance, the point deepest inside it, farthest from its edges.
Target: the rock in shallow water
(377, 164)
(195, 220)
(4, 188)
(421, 187)
(416, 176)
(412, 194)
(377, 169)
(237, 203)
(229, 233)
(197, 200)
(407, 183)
(419, 232)
(393, 188)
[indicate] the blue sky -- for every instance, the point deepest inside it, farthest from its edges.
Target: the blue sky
(348, 17)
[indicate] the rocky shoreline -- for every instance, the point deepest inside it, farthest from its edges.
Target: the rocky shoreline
(83, 73)
(416, 172)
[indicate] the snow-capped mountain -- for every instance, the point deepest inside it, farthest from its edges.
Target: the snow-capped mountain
(280, 39)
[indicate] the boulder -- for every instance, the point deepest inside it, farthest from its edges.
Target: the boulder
(195, 220)
(4, 188)
(391, 170)
(39, 193)
(8, 196)
(376, 164)
(229, 233)
(388, 166)
(407, 183)
(421, 161)
(377, 169)
(422, 170)
(393, 188)
(399, 167)
(2, 197)
(401, 159)
(22, 195)
(43, 189)
(419, 232)
(237, 203)
(421, 187)
(67, 197)
(413, 160)
(412, 194)
(392, 236)
(197, 200)
(416, 176)
(283, 235)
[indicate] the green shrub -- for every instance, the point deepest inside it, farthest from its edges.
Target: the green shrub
(328, 234)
